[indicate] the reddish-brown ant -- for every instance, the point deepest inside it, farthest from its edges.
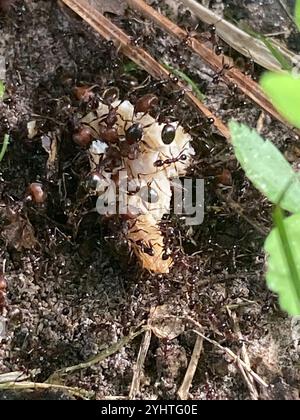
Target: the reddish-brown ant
(112, 159)
(36, 193)
(145, 249)
(129, 151)
(146, 103)
(207, 122)
(108, 132)
(219, 75)
(249, 67)
(214, 39)
(134, 133)
(246, 65)
(110, 95)
(129, 146)
(83, 136)
(3, 287)
(171, 79)
(84, 93)
(159, 163)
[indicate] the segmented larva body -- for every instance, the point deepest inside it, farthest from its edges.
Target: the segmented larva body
(149, 174)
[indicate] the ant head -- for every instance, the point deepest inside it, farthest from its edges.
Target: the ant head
(110, 95)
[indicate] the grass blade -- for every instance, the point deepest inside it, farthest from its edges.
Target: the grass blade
(279, 223)
(4, 146)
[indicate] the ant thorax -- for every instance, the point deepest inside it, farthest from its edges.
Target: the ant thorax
(138, 166)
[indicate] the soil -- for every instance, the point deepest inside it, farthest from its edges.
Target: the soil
(73, 288)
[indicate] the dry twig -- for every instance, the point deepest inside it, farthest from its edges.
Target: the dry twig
(77, 392)
(244, 355)
(122, 41)
(57, 375)
(136, 380)
(17, 376)
(238, 39)
(248, 86)
(235, 357)
(226, 350)
(183, 391)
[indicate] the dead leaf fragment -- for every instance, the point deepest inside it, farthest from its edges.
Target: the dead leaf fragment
(32, 129)
(19, 233)
(163, 324)
(49, 144)
(109, 6)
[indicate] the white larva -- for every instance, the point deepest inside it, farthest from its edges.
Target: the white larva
(144, 235)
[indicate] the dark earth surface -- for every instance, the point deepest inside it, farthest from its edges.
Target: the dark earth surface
(73, 288)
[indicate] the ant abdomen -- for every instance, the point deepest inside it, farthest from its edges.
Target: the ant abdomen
(168, 134)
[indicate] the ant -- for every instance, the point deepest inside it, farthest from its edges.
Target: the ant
(137, 42)
(146, 192)
(214, 39)
(166, 254)
(110, 95)
(246, 65)
(3, 287)
(204, 124)
(129, 151)
(134, 133)
(145, 249)
(130, 146)
(146, 103)
(179, 56)
(83, 136)
(217, 77)
(249, 68)
(85, 94)
(159, 163)
(164, 82)
(112, 160)
(168, 133)
(108, 132)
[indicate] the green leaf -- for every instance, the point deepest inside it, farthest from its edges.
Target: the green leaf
(297, 13)
(2, 90)
(284, 92)
(4, 146)
(266, 167)
(130, 67)
(285, 63)
(283, 249)
(187, 79)
(277, 54)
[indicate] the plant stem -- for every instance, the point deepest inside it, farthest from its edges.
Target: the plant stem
(4, 146)
(279, 222)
